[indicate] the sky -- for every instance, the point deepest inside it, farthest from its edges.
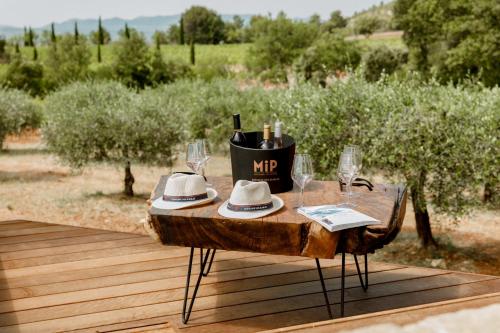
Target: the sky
(40, 12)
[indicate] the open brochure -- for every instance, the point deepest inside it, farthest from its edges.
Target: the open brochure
(335, 218)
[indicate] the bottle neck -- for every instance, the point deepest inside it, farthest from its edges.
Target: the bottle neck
(236, 122)
(267, 134)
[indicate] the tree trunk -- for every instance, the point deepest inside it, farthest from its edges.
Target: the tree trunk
(489, 193)
(192, 53)
(128, 181)
(422, 218)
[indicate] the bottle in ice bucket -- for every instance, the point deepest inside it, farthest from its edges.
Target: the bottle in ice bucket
(278, 139)
(267, 143)
(238, 137)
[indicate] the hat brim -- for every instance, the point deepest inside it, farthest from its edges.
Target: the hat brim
(277, 205)
(162, 204)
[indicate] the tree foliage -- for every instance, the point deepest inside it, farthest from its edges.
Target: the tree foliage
(17, 112)
(69, 61)
(452, 40)
(25, 75)
(106, 122)
(131, 61)
(328, 55)
(202, 25)
(278, 42)
(367, 25)
(383, 59)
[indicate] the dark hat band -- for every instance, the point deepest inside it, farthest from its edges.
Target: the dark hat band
(249, 208)
(183, 198)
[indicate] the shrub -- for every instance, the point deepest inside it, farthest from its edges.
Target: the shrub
(131, 62)
(68, 60)
(382, 59)
(17, 112)
(207, 108)
(113, 124)
(210, 68)
(440, 140)
(25, 75)
(328, 55)
(166, 72)
(278, 42)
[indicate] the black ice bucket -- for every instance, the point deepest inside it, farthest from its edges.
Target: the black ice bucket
(273, 166)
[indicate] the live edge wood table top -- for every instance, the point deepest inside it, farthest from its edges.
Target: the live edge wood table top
(284, 232)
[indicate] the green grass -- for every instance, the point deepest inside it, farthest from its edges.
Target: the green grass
(392, 42)
(231, 53)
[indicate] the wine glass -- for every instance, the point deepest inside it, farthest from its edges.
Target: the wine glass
(205, 149)
(194, 157)
(357, 154)
(346, 172)
(302, 173)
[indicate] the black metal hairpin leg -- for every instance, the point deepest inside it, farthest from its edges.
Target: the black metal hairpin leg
(364, 284)
(205, 273)
(342, 285)
(185, 315)
(325, 293)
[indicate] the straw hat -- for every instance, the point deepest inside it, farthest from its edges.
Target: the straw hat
(250, 200)
(183, 190)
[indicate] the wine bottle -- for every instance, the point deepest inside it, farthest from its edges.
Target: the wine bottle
(267, 143)
(278, 139)
(238, 137)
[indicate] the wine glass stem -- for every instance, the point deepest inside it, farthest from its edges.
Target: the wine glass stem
(301, 198)
(349, 191)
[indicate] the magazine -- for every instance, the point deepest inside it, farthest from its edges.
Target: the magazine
(335, 218)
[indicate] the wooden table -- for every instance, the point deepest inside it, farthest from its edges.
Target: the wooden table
(284, 232)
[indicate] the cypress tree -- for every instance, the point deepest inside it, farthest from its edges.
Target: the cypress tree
(100, 41)
(77, 34)
(31, 38)
(99, 57)
(26, 37)
(53, 33)
(16, 48)
(181, 31)
(127, 31)
(100, 32)
(192, 52)
(35, 53)
(158, 46)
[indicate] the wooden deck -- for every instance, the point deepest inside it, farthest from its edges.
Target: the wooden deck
(60, 278)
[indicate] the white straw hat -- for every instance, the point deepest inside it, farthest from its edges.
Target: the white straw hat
(183, 190)
(250, 200)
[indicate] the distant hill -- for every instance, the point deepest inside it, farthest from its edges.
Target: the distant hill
(146, 24)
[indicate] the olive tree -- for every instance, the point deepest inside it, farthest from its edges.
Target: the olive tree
(17, 112)
(441, 141)
(107, 122)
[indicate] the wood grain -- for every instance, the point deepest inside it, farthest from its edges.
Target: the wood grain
(285, 232)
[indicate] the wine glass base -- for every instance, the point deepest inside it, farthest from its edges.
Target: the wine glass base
(346, 205)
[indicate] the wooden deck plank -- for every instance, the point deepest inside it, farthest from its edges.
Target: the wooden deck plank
(241, 312)
(111, 282)
(227, 272)
(86, 255)
(34, 231)
(73, 249)
(145, 294)
(15, 225)
(79, 236)
(26, 239)
(399, 316)
(318, 313)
